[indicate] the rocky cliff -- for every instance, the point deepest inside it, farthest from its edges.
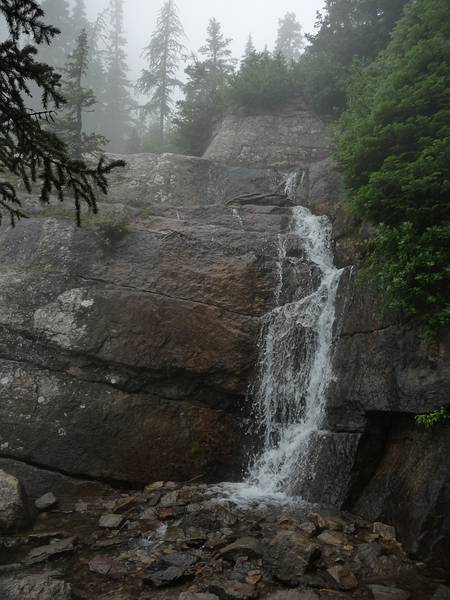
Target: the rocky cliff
(127, 347)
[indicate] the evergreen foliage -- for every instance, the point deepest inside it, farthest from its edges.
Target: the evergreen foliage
(345, 31)
(164, 55)
(117, 101)
(290, 38)
(29, 152)
(79, 99)
(249, 47)
(204, 101)
(394, 148)
(264, 82)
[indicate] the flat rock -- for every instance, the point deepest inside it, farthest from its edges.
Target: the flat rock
(14, 513)
(50, 550)
(106, 566)
(442, 593)
(293, 595)
(344, 577)
(44, 586)
(46, 501)
(111, 521)
(246, 546)
(233, 590)
(387, 532)
(165, 577)
(332, 539)
(382, 592)
(197, 596)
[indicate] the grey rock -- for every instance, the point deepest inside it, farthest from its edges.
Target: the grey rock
(289, 557)
(44, 586)
(181, 559)
(442, 593)
(385, 531)
(247, 546)
(233, 590)
(14, 512)
(293, 595)
(197, 596)
(381, 592)
(111, 521)
(46, 501)
(343, 576)
(165, 577)
(56, 548)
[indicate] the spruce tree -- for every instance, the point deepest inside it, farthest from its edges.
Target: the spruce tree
(290, 38)
(217, 55)
(164, 54)
(29, 153)
(79, 100)
(249, 47)
(118, 102)
(204, 101)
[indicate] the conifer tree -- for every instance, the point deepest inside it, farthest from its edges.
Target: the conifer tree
(118, 102)
(249, 47)
(217, 55)
(164, 54)
(29, 152)
(290, 39)
(79, 100)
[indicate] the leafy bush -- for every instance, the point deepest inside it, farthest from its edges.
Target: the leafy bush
(432, 419)
(264, 82)
(394, 147)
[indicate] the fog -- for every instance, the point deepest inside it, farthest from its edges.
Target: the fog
(238, 18)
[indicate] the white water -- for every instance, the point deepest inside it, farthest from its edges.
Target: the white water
(295, 369)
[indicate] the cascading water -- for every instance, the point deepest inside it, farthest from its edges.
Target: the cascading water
(294, 368)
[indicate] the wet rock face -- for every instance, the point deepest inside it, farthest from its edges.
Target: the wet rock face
(127, 346)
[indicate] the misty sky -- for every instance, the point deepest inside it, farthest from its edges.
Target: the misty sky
(238, 18)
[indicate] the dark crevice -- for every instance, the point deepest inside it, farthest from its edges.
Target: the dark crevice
(368, 331)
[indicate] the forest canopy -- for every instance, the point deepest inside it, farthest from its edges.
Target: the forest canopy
(394, 149)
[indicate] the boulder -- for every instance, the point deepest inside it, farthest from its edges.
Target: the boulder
(14, 513)
(382, 592)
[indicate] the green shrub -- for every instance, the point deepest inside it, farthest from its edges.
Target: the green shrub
(394, 147)
(432, 419)
(263, 83)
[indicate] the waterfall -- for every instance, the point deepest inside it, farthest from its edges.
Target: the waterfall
(295, 367)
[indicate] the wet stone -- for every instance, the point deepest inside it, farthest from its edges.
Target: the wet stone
(50, 550)
(247, 546)
(385, 531)
(197, 596)
(233, 590)
(342, 575)
(442, 593)
(110, 521)
(381, 592)
(180, 559)
(331, 539)
(106, 566)
(123, 504)
(46, 502)
(166, 577)
(293, 595)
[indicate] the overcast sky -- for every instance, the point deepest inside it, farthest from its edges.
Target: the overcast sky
(238, 18)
